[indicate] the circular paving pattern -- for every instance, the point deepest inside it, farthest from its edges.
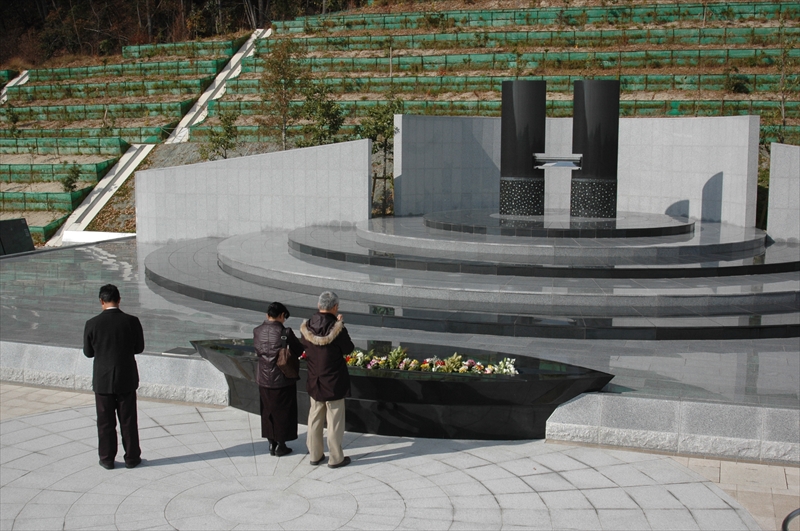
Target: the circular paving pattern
(209, 469)
(261, 506)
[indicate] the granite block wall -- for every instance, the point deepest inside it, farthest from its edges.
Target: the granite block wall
(683, 427)
(311, 186)
(783, 217)
(164, 378)
(705, 168)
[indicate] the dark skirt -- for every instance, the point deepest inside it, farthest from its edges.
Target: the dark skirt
(279, 413)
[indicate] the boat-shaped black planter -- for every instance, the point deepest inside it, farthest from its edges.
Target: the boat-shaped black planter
(428, 404)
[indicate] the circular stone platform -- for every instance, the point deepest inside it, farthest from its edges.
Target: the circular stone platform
(559, 224)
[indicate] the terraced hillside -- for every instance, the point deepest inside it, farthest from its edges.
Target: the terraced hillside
(62, 130)
(673, 59)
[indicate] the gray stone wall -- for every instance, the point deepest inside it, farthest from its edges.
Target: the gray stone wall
(161, 377)
(705, 168)
(311, 186)
(783, 217)
(445, 163)
(680, 427)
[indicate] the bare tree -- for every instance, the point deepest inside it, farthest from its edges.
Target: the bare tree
(282, 83)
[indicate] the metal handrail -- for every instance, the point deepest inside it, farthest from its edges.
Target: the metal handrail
(791, 516)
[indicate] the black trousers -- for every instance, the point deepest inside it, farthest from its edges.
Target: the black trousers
(108, 408)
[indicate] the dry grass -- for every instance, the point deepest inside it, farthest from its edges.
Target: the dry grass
(24, 158)
(52, 186)
(37, 218)
(147, 121)
(405, 6)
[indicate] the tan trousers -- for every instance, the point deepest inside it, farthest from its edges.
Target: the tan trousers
(334, 411)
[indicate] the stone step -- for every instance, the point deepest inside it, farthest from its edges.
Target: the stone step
(262, 258)
(191, 268)
(342, 245)
(710, 242)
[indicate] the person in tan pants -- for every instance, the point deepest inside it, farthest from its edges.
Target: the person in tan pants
(327, 343)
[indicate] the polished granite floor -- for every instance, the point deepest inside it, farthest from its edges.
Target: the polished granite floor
(47, 296)
(715, 256)
(558, 224)
(261, 257)
(410, 235)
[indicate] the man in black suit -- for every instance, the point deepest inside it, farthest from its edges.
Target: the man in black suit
(112, 338)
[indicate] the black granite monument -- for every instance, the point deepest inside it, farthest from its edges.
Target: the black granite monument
(595, 135)
(595, 144)
(522, 132)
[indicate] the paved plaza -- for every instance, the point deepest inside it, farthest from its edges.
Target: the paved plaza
(208, 468)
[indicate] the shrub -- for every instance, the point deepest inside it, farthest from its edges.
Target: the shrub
(70, 182)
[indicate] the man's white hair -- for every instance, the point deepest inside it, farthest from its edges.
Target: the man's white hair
(327, 301)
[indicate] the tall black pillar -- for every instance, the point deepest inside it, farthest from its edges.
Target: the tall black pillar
(521, 135)
(595, 135)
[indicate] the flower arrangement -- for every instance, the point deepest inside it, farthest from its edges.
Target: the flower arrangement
(398, 360)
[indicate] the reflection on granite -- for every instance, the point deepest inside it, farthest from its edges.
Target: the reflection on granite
(559, 224)
(631, 259)
(46, 297)
(710, 242)
(261, 258)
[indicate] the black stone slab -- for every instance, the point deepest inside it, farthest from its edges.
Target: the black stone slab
(15, 237)
(428, 404)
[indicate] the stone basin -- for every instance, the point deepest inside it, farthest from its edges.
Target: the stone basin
(428, 404)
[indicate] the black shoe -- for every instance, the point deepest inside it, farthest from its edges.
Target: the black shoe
(318, 461)
(107, 466)
(345, 462)
(272, 446)
(134, 463)
(282, 450)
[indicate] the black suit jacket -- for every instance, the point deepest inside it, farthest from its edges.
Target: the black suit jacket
(112, 338)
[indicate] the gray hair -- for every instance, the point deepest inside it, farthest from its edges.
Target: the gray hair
(327, 301)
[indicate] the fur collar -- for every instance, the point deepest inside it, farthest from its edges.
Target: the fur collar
(321, 341)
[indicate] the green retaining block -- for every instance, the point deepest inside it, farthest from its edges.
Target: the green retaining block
(525, 61)
(176, 87)
(789, 134)
(132, 135)
(64, 146)
(67, 201)
(185, 49)
(42, 234)
(54, 172)
(253, 133)
(555, 107)
(6, 76)
(629, 83)
(563, 38)
(565, 16)
(97, 112)
(177, 68)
